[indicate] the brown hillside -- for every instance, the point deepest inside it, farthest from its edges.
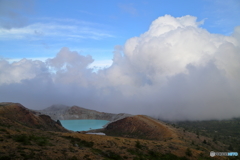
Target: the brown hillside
(26, 135)
(140, 127)
(17, 113)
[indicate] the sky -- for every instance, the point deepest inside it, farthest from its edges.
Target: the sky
(175, 59)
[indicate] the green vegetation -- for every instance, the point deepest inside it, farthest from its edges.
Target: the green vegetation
(73, 158)
(29, 139)
(153, 155)
(225, 131)
(204, 141)
(188, 152)
(140, 154)
(138, 145)
(5, 158)
(3, 130)
(107, 154)
(230, 148)
(78, 142)
(86, 157)
(5, 125)
(112, 155)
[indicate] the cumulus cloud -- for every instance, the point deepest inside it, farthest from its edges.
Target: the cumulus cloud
(20, 70)
(176, 71)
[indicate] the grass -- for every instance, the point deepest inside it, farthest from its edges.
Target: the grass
(188, 152)
(5, 125)
(3, 130)
(30, 139)
(107, 154)
(138, 145)
(80, 146)
(78, 142)
(153, 155)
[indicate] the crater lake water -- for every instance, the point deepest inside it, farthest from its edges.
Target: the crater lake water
(83, 124)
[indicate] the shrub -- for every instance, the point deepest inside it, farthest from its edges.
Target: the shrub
(112, 155)
(153, 154)
(73, 158)
(204, 141)
(5, 158)
(230, 148)
(188, 152)
(3, 130)
(26, 140)
(79, 142)
(192, 142)
(86, 156)
(138, 145)
(108, 154)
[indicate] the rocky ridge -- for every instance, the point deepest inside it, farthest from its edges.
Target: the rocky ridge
(62, 112)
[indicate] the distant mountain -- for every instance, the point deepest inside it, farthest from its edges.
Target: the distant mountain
(62, 112)
(11, 113)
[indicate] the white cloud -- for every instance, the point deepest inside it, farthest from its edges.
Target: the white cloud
(170, 45)
(175, 70)
(20, 70)
(56, 30)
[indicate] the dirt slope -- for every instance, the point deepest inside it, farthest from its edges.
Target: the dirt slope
(140, 127)
(16, 113)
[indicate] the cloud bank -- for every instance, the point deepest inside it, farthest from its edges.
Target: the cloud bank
(175, 71)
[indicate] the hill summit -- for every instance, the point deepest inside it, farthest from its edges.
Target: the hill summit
(140, 126)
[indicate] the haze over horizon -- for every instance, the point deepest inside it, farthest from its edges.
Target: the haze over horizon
(176, 67)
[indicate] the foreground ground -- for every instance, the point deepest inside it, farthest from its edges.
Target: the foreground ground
(24, 135)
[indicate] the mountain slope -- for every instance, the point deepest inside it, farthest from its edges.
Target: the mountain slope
(28, 135)
(16, 113)
(144, 127)
(61, 112)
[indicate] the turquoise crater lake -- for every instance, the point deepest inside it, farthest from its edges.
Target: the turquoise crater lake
(83, 124)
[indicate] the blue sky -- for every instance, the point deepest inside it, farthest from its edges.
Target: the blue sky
(40, 28)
